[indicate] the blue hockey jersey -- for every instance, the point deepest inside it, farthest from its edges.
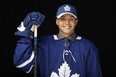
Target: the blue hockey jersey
(58, 58)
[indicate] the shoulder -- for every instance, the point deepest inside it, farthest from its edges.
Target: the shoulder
(82, 39)
(85, 42)
(87, 46)
(46, 38)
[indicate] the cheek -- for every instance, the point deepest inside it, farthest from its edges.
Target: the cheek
(57, 23)
(74, 26)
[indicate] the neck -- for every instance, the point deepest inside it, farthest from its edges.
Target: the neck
(71, 36)
(66, 35)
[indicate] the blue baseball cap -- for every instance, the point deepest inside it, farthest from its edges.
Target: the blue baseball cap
(66, 9)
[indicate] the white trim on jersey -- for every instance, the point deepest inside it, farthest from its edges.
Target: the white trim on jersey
(30, 69)
(78, 37)
(55, 37)
(26, 62)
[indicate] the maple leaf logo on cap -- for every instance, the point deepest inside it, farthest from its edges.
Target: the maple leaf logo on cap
(67, 8)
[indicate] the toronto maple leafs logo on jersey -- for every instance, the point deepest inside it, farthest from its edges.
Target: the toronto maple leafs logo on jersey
(64, 71)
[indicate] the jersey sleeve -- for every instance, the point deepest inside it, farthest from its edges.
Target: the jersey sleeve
(24, 55)
(92, 63)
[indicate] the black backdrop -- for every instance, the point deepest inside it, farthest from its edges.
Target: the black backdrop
(97, 22)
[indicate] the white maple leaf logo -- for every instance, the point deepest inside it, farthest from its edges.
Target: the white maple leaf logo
(64, 71)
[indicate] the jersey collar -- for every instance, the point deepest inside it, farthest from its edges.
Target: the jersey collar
(72, 37)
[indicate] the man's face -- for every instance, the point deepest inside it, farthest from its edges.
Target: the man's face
(66, 24)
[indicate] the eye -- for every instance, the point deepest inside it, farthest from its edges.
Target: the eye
(62, 19)
(72, 19)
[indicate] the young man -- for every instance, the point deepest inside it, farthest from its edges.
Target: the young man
(63, 55)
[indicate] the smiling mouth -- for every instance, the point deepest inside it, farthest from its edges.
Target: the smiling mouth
(67, 27)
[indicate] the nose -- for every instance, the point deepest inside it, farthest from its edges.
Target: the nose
(67, 21)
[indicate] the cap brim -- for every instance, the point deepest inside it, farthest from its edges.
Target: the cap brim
(66, 13)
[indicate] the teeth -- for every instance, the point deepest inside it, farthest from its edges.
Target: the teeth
(67, 27)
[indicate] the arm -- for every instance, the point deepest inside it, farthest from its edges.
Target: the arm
(92, 62)
(24, 54)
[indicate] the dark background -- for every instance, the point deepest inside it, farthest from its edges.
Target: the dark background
(97, 22)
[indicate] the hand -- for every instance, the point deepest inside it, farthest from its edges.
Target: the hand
(33, 18)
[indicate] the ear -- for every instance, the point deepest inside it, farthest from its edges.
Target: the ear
(56, 21)
(76, 21)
